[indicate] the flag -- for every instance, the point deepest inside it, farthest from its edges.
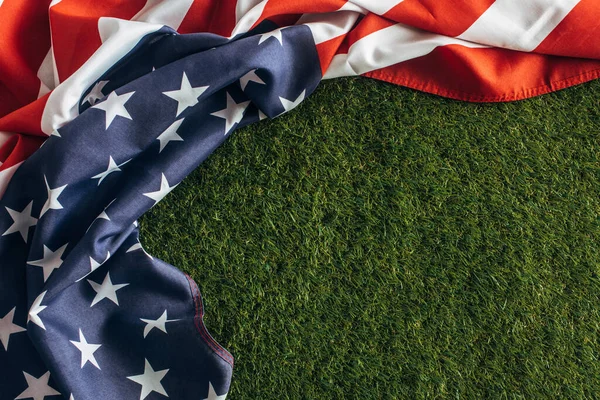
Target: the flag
(106, 106)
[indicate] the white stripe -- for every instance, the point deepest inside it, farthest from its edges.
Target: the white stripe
(118, 37)
(350, 6)
(378, 6)
(249, 18)
(46, 74)
(44, 90)
(518, 25)
(1, 1)
(4, 137)
(387, 47)
(170, 13)
(48, 84)
(327, 26)
(243, 7)
(5, 176)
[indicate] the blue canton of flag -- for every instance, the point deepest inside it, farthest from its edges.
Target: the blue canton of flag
(85, 312)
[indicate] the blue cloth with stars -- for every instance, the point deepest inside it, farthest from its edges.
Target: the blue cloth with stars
(85, 312)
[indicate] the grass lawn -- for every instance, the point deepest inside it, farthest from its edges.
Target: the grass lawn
(377, 242)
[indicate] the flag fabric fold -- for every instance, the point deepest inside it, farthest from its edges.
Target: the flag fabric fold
(105, 317)
(482, 50)
(106, 107)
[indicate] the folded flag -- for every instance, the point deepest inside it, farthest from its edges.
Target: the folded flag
(127, 98)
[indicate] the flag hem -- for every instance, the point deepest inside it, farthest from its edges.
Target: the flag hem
(464, 96)
(201, 328)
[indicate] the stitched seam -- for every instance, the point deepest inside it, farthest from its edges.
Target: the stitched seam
(460, 95)
(199, 323)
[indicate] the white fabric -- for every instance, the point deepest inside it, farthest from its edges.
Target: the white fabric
(47, 74)
(518, 25)
(118, 37)
(387, 47)
(328, 26)
(378, 6)
(246, 21)
(169, 13)
(244, 6)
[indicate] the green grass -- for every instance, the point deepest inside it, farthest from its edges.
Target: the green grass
(377, 242)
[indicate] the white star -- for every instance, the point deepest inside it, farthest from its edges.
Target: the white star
(186, 96)
(22, 221)
(37, 388)
(276, 34)
(71, 397)
(150, 380)
(288, 104)
(87, 350)
(94, 265)
(114, 105)
(52, 260)
(159, 323)
(35, 309)
(233, 113)
(112, 167)
(250, 77)
(106, 290)
(162, 192)
(7, 328)
(95, 94)
(212, 395)
(52, 203)
(170, 135)
(138, 246)
(103, 214)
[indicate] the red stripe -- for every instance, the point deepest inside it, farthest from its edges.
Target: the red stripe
(17, 149)
(328, 49)
(450, 18)
(438, 17)
(215, 16)
(369, 24)
(24, 42)
(8, 95)
(26, 119)
(282, 7)
(577, 34)
(276, 10)
(488, 75)
(75, 34)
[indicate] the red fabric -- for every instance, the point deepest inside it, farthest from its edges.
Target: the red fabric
(569, 55)
(450, 18)
(24, 42)
(577, 35)
(479, 74)
(75, 34)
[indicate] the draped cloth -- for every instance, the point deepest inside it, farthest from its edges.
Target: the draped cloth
(106, 106)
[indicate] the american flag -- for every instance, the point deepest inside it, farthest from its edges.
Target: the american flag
(126, 98)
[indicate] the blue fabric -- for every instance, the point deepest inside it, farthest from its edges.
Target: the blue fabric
(95, 215)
